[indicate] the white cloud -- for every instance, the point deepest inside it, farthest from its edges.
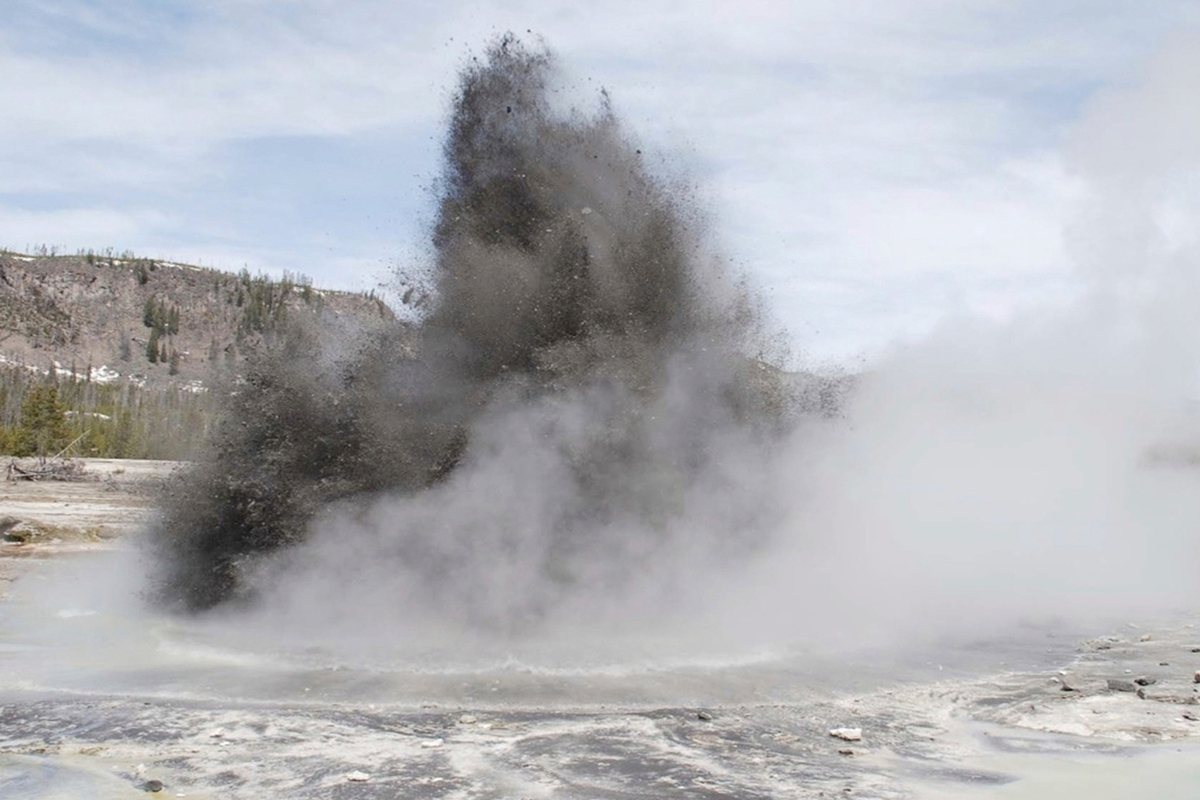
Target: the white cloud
(904, 151)
(72, 229)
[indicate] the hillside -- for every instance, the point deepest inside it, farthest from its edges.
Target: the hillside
(115, 355)
(108, 318)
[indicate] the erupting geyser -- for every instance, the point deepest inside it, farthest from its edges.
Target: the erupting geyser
(577, 404)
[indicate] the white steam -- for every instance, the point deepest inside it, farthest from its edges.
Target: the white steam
(1036, 468)
(1029, 469)
(1043, 467)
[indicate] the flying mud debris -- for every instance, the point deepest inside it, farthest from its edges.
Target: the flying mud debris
(586, 377)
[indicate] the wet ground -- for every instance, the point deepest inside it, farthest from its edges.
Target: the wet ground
(99, 699)
(94, 704)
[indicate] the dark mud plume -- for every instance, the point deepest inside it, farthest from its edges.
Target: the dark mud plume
(579, 391)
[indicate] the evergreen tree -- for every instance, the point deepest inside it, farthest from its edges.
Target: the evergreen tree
(43, 427)
(123, 444)
(152, 346)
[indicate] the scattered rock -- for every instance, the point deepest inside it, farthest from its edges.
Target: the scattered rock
(1066, 687)
(1145, 637)
(1196, 677)
(357, 777)
(467, 719)
(1117, 685)
(152, 786)
(845, 751)
(7, 525)
(847, 734)
(431, 743)
(704, 716)
(1196, 649)
(1141, 693)
(1144, 681)
(1102, 642)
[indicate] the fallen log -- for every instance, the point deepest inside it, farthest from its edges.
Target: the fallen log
(55, 470)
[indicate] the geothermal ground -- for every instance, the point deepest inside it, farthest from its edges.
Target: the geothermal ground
(99, 702)
(50, 518)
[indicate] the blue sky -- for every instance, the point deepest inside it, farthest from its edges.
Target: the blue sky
(876, 167)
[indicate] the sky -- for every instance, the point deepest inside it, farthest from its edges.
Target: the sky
(876, 167)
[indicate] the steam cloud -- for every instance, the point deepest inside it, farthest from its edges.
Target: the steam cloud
(578, 430)
(565, 417)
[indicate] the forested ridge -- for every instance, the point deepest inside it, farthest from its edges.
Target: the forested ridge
(116, 356)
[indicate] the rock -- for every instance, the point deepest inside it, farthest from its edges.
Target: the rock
(467, 719)
(152, 786)
(1144, 681)
(357, 777)
(1196, 677)
(431, 743)
(845, 751)
(1196, 649)
(1141, 693)
(1145, 637)
(704, 716)
(847, 734)
(17, 537)
(1117, 685)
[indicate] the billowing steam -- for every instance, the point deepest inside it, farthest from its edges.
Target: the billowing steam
(580, 428)
(567, 415)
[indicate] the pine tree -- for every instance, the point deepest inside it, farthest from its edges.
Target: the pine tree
(152, 346)
(43, 427)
